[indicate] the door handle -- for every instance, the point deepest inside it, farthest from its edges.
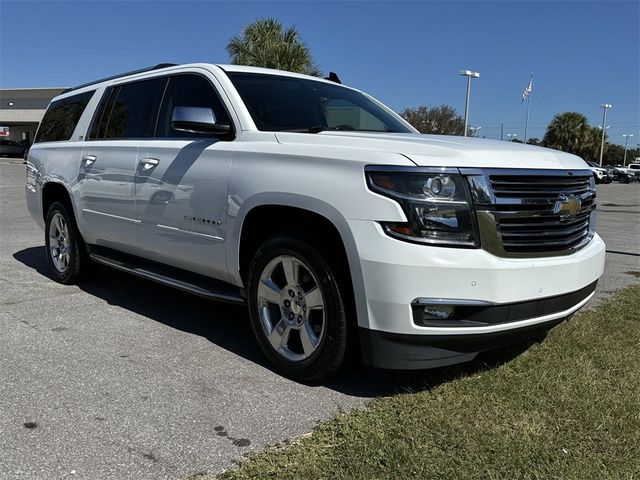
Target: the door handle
(89, 159)
(149, 163)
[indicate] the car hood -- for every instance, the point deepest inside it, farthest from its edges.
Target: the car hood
(442, 150)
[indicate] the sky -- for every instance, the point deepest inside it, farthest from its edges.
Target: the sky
(406, 54)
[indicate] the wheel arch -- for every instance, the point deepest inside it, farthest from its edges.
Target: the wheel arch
(259, 212)
(53, 191)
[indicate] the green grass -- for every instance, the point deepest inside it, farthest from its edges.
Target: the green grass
(567, 408)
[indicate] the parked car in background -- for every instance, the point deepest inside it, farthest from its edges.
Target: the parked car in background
(9, 148)
(330, 217)
(600, 174)
(612, 171)
(625, 175)
(635, 169)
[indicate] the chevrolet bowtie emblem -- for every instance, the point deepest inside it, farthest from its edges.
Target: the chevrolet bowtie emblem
(568, 207)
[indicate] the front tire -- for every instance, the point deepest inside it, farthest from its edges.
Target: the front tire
(296, 309)
(65, 248)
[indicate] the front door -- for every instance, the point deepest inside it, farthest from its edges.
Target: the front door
(181, 185)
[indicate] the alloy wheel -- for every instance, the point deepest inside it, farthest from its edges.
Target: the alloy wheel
(291, 308)
(59, 242)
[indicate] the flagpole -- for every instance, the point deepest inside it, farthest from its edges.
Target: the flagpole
(526, 123)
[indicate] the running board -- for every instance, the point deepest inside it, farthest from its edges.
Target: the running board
(182, 280)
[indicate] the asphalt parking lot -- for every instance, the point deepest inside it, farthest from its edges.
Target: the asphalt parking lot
(122, 378)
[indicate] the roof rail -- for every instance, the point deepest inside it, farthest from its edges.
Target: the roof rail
(133, 72)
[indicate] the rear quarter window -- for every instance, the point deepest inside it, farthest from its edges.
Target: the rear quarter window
(61, 118)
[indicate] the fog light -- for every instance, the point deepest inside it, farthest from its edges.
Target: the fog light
(438, 312)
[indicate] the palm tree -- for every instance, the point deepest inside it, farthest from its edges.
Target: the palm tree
(591, 144)
(570, 132)
(265, 43)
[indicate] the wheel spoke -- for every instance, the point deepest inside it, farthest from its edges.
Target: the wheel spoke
(279, 336)
(291, 268)
(313, 298)
(269, 291)
(308, 339)
(59, 225)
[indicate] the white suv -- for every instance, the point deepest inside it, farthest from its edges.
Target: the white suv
(325, 212)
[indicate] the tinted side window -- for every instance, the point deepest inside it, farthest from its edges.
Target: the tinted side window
(189, 91)
(62, 117)
(99, 122)
(131, 110)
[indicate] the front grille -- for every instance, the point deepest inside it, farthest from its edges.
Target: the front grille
(542, 213)
(542, 234)
(537, 186)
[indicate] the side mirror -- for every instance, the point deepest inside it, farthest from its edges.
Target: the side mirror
(197, 120)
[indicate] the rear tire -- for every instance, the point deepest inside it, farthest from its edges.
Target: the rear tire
(296, 309)
(65, 249)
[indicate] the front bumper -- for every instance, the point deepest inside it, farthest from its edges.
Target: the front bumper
(395, 273)
(403, 351)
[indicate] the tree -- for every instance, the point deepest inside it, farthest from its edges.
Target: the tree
(266, 43)
(571, 132)
(591, 144)
(443, 119)
(614, 155)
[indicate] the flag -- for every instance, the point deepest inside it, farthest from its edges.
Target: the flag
(527, 90)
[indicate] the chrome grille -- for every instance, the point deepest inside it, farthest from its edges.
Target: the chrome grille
(535, 212)
(536, 186)
(544, 233)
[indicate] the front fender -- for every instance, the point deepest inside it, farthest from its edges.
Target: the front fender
(238, 212)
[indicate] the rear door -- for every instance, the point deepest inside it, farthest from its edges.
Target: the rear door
(126, 115)
(181, 183)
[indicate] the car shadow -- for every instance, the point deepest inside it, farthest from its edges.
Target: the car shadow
(228, 327)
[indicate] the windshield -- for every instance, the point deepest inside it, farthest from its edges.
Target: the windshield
(279, 103)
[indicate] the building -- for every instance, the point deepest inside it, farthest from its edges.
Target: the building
(22, 109)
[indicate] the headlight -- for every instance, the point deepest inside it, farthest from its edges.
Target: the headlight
(435, 201)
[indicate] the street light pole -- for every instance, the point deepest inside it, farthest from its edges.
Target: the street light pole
(626, 141)
(469, 74)
(605, 107)
(474, 131)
